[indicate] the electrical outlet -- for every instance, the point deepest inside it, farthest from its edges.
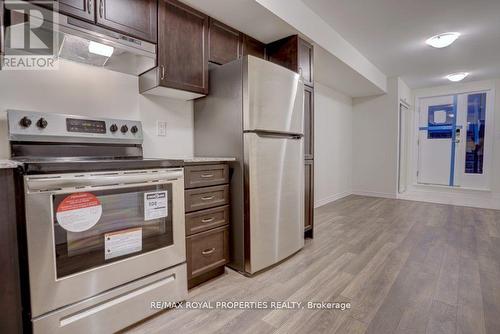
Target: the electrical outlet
(161, 128)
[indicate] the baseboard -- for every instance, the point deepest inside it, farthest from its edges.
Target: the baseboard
(330, 199)
(485, 200)
(373, 194)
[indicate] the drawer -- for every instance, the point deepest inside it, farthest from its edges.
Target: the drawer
(207, 251)
(204, 176)
(117, 308)
(204, 198)
(204, 220)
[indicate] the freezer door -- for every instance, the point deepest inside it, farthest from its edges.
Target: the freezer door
(274, 184)
(273, 98)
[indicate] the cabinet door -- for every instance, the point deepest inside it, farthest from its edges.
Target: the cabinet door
(253, 47)
(224, 43)
(309, 197)
(182, 47)
(308, 122)
(137, 18)
(306, 59)
(82, 9)
(284, 52)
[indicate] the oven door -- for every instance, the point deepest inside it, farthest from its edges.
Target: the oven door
(88, 233)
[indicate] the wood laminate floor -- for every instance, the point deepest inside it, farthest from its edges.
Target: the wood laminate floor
(405, 267)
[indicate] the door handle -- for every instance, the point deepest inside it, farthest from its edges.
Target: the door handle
(208, 220)
(207, 198)
(208, 251)
(162, 70)
(89, 6)
(101, 8)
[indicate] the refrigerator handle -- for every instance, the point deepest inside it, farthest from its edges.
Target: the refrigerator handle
(275, 134)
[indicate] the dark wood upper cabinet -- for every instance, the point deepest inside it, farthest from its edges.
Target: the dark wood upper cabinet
(308, 122)
(182, 47)
(136, 18)
(224, 43)
(309, 197)
(253, 47)
(306, 61)
(295, 54)
(284, 52)
(82, 9)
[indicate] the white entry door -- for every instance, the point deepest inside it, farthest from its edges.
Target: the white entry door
(455, 139)
(437, 121)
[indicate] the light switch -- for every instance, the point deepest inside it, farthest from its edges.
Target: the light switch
(161, 128)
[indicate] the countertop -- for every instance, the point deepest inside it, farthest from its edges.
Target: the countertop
(208, 159)
(8, 164)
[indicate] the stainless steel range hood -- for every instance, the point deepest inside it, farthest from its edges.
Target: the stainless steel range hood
(87, 43)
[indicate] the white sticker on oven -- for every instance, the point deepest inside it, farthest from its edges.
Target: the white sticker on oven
(79, 212)
(122, 242)
(155, 205)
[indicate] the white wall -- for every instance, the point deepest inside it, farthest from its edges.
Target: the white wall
(446, 195)
(304, 19)
(375, 143)
(333, 145)
(84, 90)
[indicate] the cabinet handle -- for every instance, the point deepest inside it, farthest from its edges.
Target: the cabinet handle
(208, 220)
(206, 176)
(208, 251)
(207, 198)
(101, 8)
(162, 68)
(89, 6)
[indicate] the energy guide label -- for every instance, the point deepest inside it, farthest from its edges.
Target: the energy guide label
(155, 205)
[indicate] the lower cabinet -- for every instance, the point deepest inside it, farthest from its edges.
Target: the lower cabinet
(309, 198)
(10, 289)
(207, 251)
(207, 207)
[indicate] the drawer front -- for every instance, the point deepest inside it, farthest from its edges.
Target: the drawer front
(204, 198)
(204, 176)
(207, 251)
(204, 220)
(117, 308)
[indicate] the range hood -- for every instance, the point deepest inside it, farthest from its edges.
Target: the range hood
(87, 43)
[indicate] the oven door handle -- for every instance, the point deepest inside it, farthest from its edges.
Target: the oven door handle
(106, 180)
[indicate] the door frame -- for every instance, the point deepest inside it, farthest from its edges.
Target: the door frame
(455, 89)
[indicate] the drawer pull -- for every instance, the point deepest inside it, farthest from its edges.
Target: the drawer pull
(207, 220)
(208, 251)
(206, 176)
(207, 198)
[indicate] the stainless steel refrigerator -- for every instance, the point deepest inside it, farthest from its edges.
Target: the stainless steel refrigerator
(255, 112)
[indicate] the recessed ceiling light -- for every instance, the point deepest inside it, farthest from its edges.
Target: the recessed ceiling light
(443, 40)
(455, 77)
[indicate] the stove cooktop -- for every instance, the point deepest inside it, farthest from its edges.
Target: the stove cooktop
(71, 165)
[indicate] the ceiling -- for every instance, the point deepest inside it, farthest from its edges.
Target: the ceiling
(392, 34)
(246, 16)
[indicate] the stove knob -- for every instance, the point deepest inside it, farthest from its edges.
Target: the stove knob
(25, 122)
(124, 129)
(134, 129)
(113, 128)
(42, 123)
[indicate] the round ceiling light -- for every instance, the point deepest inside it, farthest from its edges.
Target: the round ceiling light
(456, 77)
(443, 40)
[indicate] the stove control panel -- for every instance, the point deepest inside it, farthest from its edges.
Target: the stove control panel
(48, 127)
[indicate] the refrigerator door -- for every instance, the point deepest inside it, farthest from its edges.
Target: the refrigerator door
(274, 183)
(273, 98)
